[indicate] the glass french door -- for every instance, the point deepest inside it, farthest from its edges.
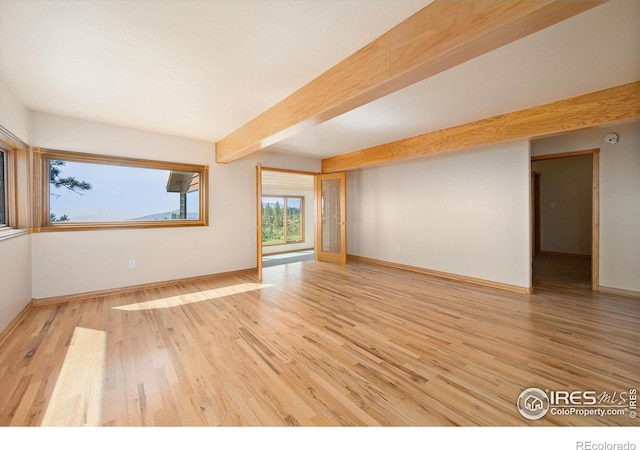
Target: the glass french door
(331, 226)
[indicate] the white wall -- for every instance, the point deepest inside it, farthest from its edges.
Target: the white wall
(82, 261)
(14, 116)
(464, 213)
(15, 252)
(15, 277)
(565, 204)
(619, 198)
(309, 221)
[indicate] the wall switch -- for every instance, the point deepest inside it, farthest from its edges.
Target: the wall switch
(398, 249)
(132, 264)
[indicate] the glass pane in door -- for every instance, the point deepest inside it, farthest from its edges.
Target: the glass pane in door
(331, 218)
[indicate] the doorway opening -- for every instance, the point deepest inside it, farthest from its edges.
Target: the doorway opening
(287, 217)
(565, 224)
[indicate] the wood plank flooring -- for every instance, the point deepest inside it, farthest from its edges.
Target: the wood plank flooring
(316, 344)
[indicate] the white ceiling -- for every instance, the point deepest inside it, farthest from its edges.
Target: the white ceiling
(595, 50)
(197, 69)
(202, 69)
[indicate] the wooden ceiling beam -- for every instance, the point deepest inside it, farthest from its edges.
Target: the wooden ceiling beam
(597, 108)
(442, 35)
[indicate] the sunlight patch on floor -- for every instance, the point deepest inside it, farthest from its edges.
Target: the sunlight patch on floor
(196, 297)
(77, 395)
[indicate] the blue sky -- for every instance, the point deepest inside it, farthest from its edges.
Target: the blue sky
(118, 193)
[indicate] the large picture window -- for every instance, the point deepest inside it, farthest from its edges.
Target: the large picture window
(282, 220)
(85, 191)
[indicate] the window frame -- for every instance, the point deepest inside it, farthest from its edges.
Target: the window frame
(16, 153)
(285, 226)
(43, 222)
(4, 178)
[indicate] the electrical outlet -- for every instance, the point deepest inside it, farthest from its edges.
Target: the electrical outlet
(132, 264)
(398, 249)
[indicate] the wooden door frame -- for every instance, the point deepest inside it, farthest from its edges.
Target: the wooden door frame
(595, 208)
(259, 170)
(535, 212)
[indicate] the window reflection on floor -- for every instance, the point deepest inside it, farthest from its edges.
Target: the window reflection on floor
(77, 395)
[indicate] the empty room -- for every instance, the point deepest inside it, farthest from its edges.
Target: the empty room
(362, 214)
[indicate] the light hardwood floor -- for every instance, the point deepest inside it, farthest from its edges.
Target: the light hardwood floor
(316, 344)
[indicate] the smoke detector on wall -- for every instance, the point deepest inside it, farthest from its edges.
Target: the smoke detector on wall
(611, 138)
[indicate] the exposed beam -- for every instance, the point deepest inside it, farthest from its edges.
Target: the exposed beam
(597, 108)
(442, 35)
